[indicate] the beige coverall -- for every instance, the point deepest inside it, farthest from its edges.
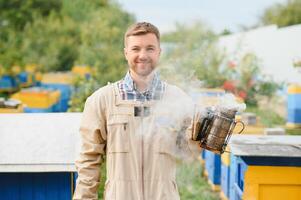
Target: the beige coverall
(140, 150)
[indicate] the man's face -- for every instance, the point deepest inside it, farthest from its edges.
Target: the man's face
(142, 53)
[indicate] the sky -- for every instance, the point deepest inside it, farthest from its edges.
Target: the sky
(217, 14)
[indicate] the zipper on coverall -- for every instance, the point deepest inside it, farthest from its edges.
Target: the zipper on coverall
(142, 148)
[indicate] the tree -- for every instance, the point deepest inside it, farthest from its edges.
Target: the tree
(102, 43)
(81, 32)
(193, 55)
(56, 35)
(286, 14)
(16, 14)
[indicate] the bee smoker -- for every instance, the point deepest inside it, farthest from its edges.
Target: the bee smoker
(214, 129)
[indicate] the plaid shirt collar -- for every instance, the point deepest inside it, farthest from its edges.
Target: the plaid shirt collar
(128, 89)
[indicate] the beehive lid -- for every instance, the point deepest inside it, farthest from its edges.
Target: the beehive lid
(39, 142)
(268, 145)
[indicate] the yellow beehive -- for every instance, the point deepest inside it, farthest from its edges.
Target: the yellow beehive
(58, 78)
(225, 174)
(16, 69)
(19, 109)
(272, 183)
(38, 98)
(82, 71)
(210, 96)
(38, 76)
(31, 68)
(294, 89)
(223, 196)
(225, 157)
(2, 71)
(293, 125)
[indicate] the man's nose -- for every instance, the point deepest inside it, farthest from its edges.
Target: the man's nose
(142, 54)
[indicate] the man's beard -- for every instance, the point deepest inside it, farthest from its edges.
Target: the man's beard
(144, 72)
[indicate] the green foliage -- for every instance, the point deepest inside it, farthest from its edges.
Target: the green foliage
(296, 131)
(62, 35)
(51, 43)
(245, 80)
(10, 45)
(102, 180)
(83, 89)
(193, 55)
(191, 184)
(102, 43)
(267, 117)
(16, 14)
(286, 14)
(57, 35)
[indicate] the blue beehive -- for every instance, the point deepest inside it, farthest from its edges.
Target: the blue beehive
(225, 176)
(37, 158)
(26, 79)
(237, 172)
(8, 83)
(39, 110)
(294, 105)
(66, 92)
(294, 108)
(57, 185)
(225, 180)
(213, 168)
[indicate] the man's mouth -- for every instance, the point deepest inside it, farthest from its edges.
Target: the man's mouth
(142, 63)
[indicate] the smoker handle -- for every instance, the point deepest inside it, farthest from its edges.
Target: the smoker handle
(230, 133)
(243, 126)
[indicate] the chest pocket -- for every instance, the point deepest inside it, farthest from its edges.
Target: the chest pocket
(118, 133)
(167, 145)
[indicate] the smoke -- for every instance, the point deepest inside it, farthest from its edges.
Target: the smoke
(173, 115)
(229, 102)
(171, 124)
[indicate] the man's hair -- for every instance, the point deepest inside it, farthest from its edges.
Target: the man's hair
(141, 28)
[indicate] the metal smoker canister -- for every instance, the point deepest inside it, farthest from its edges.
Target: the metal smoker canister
(217, 136)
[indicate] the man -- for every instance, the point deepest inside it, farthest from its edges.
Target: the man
(138, 124)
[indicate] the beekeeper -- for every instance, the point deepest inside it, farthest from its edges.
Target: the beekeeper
(137, 123)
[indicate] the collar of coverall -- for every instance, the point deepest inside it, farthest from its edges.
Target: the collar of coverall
(131, 85)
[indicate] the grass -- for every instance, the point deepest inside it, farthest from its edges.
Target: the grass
(293, 131)
(4, 95)
(102, 180)
(190, 183)
(269, 118)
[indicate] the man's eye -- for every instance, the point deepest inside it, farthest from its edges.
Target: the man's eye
(150, 49)
(135, 49)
